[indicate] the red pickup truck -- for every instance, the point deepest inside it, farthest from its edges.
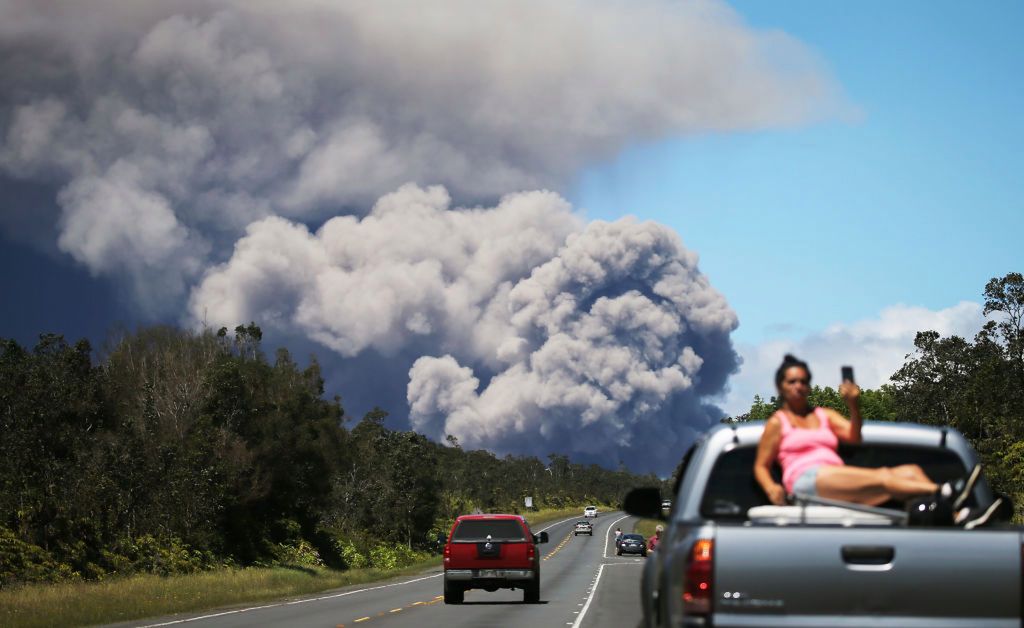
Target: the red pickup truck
(492, 552)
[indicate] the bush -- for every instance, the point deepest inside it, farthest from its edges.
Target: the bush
(350, 554)
(158, 556)
(386, 557)
(22, 562)
(302, 554)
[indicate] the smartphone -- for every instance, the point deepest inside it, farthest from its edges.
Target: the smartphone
(847, 373)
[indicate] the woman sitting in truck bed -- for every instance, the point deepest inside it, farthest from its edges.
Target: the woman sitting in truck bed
(805, 440)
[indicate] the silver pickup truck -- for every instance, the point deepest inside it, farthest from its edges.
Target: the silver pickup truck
(728, 558)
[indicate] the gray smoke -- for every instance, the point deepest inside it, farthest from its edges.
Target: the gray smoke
(599, 340)
(222, 158)
(165, 129)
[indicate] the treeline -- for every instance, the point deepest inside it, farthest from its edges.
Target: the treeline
(177, 451)
(975, 386)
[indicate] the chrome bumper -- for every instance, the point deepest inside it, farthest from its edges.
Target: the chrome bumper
(488, 574)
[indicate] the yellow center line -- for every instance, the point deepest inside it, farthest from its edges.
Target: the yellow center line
(559, 547)
(362, 619)
(395, 610)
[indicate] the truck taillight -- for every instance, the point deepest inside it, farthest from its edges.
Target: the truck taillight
(531, 551)
(447, 553)
(699, 578)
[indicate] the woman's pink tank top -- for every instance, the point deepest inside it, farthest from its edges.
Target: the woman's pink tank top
(800, 448)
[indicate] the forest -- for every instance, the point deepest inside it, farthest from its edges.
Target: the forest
(177, 451)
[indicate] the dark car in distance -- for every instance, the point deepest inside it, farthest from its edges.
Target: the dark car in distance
(631, 544)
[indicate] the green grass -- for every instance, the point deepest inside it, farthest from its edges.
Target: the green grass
(122, 599)
(135, 597)
(646, 527)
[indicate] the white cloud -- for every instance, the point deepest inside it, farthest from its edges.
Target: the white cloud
(876, 348)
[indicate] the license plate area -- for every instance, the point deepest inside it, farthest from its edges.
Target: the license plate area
(487, 573)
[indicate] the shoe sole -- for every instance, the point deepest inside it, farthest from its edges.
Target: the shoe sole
(972, 479)
(985, 516)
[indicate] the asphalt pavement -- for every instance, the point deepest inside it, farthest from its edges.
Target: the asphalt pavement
(583, 584)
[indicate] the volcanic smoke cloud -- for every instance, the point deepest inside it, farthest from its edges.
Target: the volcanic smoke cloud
(597, 340)
(144, 139)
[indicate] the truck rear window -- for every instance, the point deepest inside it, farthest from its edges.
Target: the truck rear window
(732, 489)
(498, 529)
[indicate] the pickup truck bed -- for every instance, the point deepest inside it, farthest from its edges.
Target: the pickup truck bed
(729, 559)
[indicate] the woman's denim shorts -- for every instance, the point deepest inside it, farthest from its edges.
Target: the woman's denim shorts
(807, 483)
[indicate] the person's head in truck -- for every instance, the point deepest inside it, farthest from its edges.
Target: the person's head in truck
(652, 543)
(805, 440)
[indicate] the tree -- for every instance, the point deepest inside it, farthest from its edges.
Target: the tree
(1006, 296)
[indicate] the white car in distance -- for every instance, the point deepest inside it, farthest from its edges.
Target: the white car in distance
(590, 511)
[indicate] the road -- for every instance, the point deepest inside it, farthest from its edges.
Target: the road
(583, 584)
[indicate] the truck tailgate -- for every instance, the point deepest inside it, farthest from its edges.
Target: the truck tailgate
(477, 555)
(834, 576)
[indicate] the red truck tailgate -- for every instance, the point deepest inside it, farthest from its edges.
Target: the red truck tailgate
(475, 555)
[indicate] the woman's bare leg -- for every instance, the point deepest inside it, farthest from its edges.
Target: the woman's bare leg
(911, 471)
(862, 485)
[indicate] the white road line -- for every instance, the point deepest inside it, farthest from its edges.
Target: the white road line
(608, 534)
(557, 522)
(314, 599)
(593, 592)
(590, 598)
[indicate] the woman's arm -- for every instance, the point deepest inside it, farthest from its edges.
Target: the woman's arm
(847, 430)
(767, 451)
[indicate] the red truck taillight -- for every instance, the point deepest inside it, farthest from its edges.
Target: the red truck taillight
(531, 552)
(698, 587)
(447, 553)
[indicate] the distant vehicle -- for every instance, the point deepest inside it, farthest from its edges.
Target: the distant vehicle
(631, 544)
(590, 511)
(583, 527)
(666, 504)
(492, 552)
(729, 558)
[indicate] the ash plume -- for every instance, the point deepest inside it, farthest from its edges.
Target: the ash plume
(536, 332)
(384, 179)
(164, 130)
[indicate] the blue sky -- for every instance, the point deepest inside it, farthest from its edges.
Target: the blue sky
(914, 199)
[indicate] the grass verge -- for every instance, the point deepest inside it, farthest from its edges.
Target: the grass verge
(139, 596)
(646, 527)
(123, 599)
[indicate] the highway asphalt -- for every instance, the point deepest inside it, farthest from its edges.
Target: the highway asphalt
(583, 584)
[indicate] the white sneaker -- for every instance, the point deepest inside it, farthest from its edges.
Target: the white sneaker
(984, 516)
(965, 490)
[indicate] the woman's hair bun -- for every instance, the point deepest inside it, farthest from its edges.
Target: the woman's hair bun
(789, 360)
